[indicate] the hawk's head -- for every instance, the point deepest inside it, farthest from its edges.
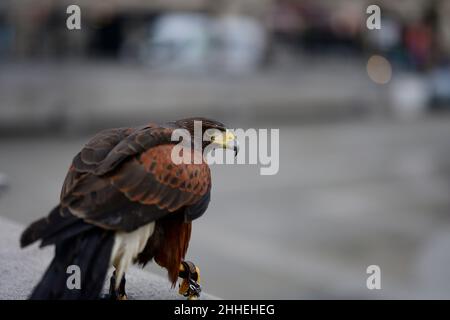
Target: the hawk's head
(215, 132)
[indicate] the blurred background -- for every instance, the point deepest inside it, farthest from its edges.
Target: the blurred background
(363, 118)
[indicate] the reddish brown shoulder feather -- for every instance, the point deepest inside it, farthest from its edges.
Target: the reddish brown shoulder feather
(153, 179)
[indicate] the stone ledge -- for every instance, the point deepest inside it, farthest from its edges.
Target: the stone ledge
(21, 269)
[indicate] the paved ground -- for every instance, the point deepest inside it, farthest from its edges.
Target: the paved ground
(347, 196)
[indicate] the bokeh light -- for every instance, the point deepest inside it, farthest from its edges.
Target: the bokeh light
(379, 69)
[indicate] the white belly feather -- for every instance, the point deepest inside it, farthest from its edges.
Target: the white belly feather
(127, 246)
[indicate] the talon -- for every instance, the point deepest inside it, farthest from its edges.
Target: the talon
(117, 293)
(122, 297)
(190, 286)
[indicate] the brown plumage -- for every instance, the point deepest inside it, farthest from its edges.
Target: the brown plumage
(124, 179)
(174, 247)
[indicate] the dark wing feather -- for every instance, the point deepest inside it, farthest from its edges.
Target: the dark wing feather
(136, 143)
(110, 147)
(98, 148)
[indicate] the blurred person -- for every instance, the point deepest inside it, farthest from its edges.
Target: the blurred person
(6, 36)
(285, 25)
(421, 39)
(107, 35)
(418, 42)
(3, 182)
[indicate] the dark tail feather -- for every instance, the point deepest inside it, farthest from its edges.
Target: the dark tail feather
(46, 227)
(91, 252)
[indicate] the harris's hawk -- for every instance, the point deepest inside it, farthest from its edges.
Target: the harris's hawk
(125, 201)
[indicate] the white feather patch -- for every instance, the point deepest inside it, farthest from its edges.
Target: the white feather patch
(127, 246)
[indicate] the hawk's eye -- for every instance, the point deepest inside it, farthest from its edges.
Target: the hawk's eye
(213, 135)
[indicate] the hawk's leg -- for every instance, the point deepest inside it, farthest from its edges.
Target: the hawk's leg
(119, 293)
(190, 286)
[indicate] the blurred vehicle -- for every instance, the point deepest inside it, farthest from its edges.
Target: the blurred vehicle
(242, 43)
(191, 41)
(179, 41)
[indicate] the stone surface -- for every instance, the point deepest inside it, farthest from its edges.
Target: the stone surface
(21, 269)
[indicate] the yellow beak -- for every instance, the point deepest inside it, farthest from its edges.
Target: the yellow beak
(227, 140)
